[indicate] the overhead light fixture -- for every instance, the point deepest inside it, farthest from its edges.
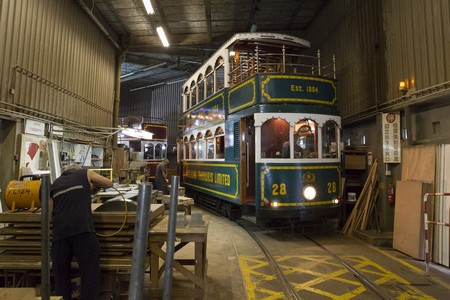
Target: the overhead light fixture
(148, 7)
(137, 133)
(162, 36)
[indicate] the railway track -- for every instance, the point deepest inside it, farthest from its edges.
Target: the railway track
(289, 289)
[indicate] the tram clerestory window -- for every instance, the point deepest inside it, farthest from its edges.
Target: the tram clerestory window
(275, 139)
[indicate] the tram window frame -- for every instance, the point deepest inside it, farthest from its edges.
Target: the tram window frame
(186, 98)
(304, 130)
(149, 154)
(200, 88)
(159, 151)
(209, 141)
(219, 71)
(187, 146)
(193, 149)
(193, 93)
(272, 143)
(219, 143)
(209, 81)
(330, 139)
(200, 146)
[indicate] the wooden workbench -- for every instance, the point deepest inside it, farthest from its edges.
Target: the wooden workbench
(185, 235)
(20, 247)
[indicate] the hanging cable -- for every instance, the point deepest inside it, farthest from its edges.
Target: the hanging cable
(124, 218)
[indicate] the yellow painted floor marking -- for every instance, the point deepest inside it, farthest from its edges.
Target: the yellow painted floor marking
(321, 276)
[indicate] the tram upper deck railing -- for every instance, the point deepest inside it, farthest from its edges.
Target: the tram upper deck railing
(245, 65)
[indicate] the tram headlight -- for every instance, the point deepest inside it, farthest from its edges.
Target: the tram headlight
(275, 203)
(309, 192)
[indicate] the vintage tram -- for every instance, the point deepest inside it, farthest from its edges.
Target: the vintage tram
(260, 129)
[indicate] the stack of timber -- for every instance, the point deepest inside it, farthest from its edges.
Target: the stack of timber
(20, 241)
(364, 213)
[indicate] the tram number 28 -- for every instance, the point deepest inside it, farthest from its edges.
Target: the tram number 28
(280, 189)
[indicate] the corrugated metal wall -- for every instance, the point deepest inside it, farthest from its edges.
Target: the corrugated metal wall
(350, 30)
(417, 43)
(162, 102)
(53, 59)
(380, 43)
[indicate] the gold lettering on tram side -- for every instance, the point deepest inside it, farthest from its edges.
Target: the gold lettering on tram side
(301, 88)
(222, 179)
(205, 176)
(312, 89)
(296, 88)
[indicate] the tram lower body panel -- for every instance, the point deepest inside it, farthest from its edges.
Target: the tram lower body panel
(217, 179)
(297, 192)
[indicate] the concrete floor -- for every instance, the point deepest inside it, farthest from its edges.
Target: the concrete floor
(236, 268)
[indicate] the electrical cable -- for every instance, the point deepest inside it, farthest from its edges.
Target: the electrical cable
(124, 218)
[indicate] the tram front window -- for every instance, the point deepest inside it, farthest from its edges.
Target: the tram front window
(275, 139)
(305, 139)
(329, 140)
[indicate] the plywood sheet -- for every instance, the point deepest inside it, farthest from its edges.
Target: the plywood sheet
(419, 163)
(408, 218)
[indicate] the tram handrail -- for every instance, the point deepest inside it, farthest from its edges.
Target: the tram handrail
(426, 222)
(280, 63)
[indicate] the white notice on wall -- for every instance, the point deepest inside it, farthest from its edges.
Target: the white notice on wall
(391, 138)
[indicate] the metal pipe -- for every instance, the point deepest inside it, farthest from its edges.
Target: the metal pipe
(168, 271)
(140, 242)
(44, 194)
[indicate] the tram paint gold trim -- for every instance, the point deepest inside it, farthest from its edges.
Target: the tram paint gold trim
(231, 196)
(244, 105)
(266, 169)
(271, 99)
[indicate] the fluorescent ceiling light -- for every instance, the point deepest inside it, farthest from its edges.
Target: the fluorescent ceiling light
(138, 133)
(148, 7)
(162, 36)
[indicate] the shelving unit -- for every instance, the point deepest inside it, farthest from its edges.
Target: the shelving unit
(354, 166)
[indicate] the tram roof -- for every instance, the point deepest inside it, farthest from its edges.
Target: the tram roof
(252, 37)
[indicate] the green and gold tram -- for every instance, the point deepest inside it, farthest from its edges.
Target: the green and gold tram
(261, 129)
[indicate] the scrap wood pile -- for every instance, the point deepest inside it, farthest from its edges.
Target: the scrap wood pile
(364, 213)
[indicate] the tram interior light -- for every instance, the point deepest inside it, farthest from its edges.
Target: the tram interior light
(137, 133)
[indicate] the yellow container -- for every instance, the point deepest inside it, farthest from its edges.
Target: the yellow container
(23, 194)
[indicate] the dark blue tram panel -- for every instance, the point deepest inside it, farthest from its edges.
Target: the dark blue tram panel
(261, 129)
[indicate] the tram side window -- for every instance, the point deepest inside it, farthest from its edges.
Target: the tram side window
(186, 98)
(209, 81)
(201, 88)
(209, 145)
(193, 93)
(220, 143)
(275, 139)
(186, 148)
(193, 143)
(200, 146)
(305, 139)
(220, 74)
(148, 152)
(329, 139)
(158, 151)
